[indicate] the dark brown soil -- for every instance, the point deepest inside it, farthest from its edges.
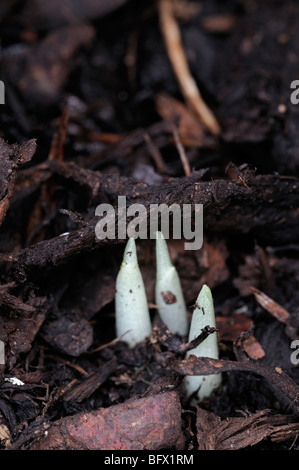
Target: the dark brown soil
(94, 110)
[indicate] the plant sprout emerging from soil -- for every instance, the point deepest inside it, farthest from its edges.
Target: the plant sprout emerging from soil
(199, 387)
(169, 294)
(131, 308)
(133, 318)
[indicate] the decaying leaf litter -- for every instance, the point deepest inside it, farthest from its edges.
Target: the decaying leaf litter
(99, 104)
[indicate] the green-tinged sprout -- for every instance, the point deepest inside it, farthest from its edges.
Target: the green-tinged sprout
(169, 294)
(131, 308)
(203, 315)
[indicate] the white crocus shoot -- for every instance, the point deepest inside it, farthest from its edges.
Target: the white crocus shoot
(132, 316)
(203, 315)
(169, 294)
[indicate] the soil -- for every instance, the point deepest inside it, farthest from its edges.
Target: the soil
(95, 108)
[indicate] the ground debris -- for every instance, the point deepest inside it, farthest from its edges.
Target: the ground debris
(151, 423)
(69, 334)
(20, 323)
(206, 366)
(264, 191)
(278, 312)
(11, 157)
(243, 432)
(90, 383)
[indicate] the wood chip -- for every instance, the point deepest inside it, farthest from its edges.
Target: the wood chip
(150, 423)
(242, 432)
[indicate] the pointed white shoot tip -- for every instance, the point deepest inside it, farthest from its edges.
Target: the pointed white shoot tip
(169, 294)
(203, 315)
(131, 308)
(205, 296)
(163, 260)
(130, 254)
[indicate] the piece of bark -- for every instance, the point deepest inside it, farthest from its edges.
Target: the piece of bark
(231, 326)
(11, 157)
(253, 348)
(31, 179)
(12, 304)
(242, 432)
(19, 323)
(247, 347)
(205, 366)
(150, 423)
(92, 293)
(18, 331)
(70, 333)
(276, 310)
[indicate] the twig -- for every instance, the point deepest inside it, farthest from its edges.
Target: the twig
(155, 154)
(181, 152)
(68, 363)
(271, 306)
(61, 249)
(103, 346)
(276, 310)
(58, 140)
(206, 365)
(172, 37)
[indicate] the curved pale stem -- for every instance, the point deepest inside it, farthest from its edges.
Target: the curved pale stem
(168, 291)
(203, 315)
(131, 307)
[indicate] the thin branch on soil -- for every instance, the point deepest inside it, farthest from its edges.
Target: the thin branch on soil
(181, 152)
(172, 37)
